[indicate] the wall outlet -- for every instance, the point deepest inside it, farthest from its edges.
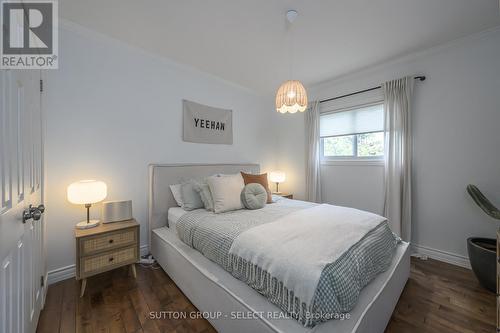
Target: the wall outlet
(147, 259)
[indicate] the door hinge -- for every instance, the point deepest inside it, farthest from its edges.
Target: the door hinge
(41, 85)
(42, 281)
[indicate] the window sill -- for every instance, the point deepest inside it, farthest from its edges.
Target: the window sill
(357, 162)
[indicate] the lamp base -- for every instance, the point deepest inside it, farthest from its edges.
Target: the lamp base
(85, 225)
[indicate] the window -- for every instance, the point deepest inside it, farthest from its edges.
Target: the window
(357, 133)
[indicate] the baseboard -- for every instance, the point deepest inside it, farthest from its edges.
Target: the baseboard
(144, 249)
(450, 258)
(68, 272)
(60, 274)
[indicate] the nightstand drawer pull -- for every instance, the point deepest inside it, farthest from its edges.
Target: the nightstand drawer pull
(111, 259)
(100, 243)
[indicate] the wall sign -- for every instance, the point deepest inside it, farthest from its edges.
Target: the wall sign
(206, 124)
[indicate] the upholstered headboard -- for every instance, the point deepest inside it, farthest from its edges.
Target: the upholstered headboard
(162, 175)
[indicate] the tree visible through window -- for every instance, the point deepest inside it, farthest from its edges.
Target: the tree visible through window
(340, 138)
(339, 146)
(371, 144)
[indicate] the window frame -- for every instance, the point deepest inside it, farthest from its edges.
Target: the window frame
(355, 159)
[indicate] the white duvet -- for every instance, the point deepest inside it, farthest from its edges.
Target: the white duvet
(296, 247)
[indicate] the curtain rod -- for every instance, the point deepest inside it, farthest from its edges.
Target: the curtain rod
(420, 78)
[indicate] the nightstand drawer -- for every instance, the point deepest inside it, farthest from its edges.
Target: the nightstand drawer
(98, 243)
(107, 260)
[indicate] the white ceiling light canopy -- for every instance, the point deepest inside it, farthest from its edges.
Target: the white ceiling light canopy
(291, 95)
(291, 15)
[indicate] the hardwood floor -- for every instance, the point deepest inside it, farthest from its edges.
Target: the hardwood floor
(437, 298)
(440, 297)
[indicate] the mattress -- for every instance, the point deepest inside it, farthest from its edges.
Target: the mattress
(174, 214)
(211, 288)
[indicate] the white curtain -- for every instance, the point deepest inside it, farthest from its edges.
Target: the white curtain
(398, 154)
(313, 184)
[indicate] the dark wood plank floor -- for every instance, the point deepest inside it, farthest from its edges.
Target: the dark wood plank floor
(437, 298)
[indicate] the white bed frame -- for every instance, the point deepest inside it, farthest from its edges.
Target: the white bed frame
(221, 297)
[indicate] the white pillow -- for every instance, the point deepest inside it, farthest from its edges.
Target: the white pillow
(176, 192)
(204, 191)
(226, 192)
(191, 199)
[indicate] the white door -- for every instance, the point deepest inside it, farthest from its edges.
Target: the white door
(22, 266)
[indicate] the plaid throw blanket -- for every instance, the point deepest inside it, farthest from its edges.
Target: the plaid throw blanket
(340, 282)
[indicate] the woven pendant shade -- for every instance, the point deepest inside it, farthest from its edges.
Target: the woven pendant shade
(291, 97)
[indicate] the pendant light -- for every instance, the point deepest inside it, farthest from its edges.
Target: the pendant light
(291, 95)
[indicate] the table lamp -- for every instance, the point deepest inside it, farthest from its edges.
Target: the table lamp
(277, 177)
(87, 192)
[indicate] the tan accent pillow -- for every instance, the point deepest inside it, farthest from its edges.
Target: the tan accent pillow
(259, 179)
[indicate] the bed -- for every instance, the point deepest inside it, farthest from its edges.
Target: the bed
(224, 298)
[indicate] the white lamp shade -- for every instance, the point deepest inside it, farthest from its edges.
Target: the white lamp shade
(87, 192)
(277, 176)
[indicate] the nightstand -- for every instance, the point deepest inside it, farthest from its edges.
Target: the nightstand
(285, 195)
(106, 247)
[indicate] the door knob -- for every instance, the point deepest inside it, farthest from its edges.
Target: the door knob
(41, 208)
(34, 213)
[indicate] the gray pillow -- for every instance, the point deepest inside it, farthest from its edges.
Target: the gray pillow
(254, 196)
(190, 198)
(204, 192)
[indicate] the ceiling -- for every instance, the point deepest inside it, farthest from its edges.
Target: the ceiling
(246, 41)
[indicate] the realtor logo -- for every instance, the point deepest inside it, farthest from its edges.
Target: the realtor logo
(29, 34)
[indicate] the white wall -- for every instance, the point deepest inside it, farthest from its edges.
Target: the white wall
(290, 151)
(456, 119)
(341, 184)
(112, 109)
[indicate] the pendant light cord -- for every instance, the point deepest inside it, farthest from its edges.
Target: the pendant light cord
(290, 48)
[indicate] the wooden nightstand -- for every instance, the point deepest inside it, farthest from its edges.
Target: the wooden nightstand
(285, 195)
(106, 247)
